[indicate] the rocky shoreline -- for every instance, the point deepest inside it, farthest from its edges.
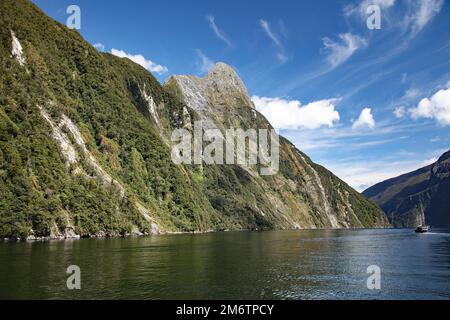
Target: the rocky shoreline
(102, 234)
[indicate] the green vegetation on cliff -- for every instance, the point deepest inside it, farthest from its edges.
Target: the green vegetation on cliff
(117, 176)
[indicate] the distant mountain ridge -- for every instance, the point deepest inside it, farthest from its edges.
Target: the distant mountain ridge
(416, 198)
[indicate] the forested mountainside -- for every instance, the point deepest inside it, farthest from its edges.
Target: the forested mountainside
(85, 147)
(421, 197)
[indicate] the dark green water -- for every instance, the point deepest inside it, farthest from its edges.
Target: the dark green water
(321, 264)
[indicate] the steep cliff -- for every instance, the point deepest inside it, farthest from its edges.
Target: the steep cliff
(302, 194)
(85, 147)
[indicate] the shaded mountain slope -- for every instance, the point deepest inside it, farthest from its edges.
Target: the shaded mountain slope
(418, 197)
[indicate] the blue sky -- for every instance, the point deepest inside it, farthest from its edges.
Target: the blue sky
(367, 104)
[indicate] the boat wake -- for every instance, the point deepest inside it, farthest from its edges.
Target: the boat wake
(437, 233)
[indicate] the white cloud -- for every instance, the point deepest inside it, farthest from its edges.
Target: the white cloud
(340, 51)
(290, 114)
(422, 12)
(140, 59)
(400, 112)
(365, 120)
(204, 63)
(436, 107)
(219, 33)
(99, 46)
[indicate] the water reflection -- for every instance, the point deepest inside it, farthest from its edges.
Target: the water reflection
(308, 264)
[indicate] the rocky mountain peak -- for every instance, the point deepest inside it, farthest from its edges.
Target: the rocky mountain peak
(441, 169)
(224, 79)
(222, 71)
(444, 157)
(220, 87)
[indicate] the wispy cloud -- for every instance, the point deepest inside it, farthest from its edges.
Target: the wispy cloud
(363, 173)
(356, 156)
(203, 62)
(421, 13)
(291, 114)
(404, 78)
(343, 137)
(281, 56)
(141, 60)
(411, 94)
(435, 139)
(265, 25)
(400, 112)
(283, 30)
(219, 33)
(341, 50)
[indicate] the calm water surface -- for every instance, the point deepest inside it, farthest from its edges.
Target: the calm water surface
(319, 264)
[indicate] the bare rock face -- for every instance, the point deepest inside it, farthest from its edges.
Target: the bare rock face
(215, 97)
(17, 50)
(220, 87)
(225, 87)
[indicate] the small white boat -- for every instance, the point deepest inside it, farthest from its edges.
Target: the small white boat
(422, 229)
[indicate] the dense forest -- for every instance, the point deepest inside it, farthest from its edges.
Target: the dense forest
(121, 179)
